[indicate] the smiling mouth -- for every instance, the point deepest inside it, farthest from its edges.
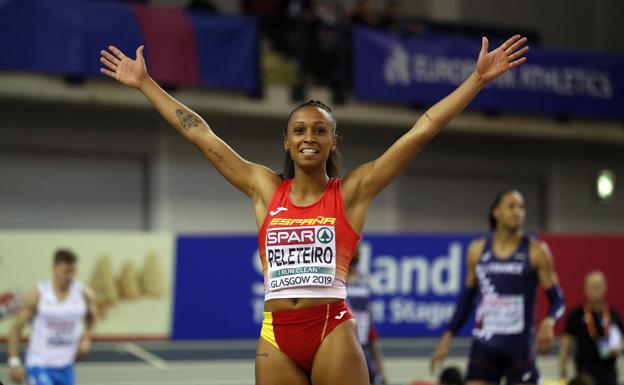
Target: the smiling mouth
(308, 151)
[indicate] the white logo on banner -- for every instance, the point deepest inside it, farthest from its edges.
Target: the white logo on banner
(396, 68)
(402, 68)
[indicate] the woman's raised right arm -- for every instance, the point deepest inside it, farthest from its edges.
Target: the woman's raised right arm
(250, 178)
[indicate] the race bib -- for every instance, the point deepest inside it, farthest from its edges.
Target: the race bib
(300, 256)
(60, 332)
(502, 314)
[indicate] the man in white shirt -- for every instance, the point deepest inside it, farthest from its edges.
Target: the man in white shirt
(56, 310)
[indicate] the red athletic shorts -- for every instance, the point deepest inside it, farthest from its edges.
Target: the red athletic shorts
(299, 332)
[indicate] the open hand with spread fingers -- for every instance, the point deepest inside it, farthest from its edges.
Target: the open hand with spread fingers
(508, 55)
(122, 68)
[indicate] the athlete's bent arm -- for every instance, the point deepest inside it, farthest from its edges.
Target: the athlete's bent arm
(542, 261)
(564, 355)
(90, 319)
(377, 356)
(248, 177)
(23, 317)
(464, 305)
(370, 178)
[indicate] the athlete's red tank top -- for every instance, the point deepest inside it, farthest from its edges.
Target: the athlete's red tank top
(306, 250)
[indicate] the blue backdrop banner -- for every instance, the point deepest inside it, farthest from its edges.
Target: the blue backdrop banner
(415, 281)
(422, 70)
(64, 37)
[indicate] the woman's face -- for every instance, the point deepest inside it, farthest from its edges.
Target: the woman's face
(310, 137)
(510, 212)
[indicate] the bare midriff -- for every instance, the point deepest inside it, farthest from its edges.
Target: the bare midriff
(296, 303)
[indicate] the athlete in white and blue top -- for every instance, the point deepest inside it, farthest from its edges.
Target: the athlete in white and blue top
(56, 310)
(504, 269)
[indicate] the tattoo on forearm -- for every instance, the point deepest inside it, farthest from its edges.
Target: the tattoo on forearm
(222, 160)
(187, 119)
(428, 117)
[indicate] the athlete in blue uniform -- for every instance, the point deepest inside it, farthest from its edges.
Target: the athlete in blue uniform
(503, 271)
(358, 298)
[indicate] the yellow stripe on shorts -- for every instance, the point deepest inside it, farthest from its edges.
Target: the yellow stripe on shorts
(267, 329)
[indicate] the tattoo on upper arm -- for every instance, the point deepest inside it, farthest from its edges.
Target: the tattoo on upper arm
(187, 119)
(428, 117)
(222, 160)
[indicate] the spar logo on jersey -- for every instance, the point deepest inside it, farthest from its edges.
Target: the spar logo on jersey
(319, 220)
(325, 235)
(293, 236)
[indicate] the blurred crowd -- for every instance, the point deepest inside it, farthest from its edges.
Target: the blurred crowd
(315, 35)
